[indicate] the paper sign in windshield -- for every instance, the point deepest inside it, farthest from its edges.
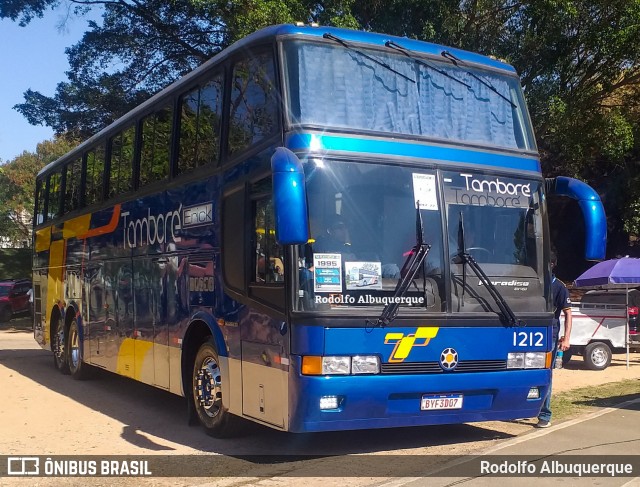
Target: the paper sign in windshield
(424, 191)
(363, 275)
(327, 272)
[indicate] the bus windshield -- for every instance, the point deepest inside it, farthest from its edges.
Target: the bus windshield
(363, 228)
(385, 91)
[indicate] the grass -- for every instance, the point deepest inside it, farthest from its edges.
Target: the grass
(569, 404)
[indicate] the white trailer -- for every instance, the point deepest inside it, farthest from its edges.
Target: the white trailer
(599, 328)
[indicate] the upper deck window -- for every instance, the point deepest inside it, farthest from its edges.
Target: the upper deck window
(156, 146)
(333, 86)
(120, 178)
(254, 104)
(200, 125)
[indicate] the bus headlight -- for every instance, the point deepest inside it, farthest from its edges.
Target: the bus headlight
(336, 365)
(365, 364)
(528, 360)
(534, 360)
(340, 365)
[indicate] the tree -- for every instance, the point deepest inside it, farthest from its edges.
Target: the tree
(578, 59)
(17, 187)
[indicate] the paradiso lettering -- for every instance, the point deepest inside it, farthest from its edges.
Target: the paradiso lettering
(492, 192)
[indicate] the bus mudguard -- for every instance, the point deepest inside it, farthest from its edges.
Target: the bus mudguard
(215, 331)
(593, 213)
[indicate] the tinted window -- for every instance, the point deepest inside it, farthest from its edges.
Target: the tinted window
(53, 200)
(95, 175)
(200, 126)
(253, 102)
(72, 194)
(156, 146)
(268, 262)
(121, 162)
(40, 198)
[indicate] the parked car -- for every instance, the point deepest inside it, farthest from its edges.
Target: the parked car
(14, 298)
(599, 326)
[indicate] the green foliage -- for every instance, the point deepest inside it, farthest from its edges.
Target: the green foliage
(17, 187)
(579, 61)
(15, 263)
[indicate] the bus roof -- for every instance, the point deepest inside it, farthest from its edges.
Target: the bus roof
(285, 30)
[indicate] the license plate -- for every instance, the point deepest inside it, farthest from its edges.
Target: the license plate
(441, 401)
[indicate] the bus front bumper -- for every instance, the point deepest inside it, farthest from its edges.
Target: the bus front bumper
(388, 401)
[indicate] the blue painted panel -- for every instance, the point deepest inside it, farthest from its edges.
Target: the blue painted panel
(431, 153)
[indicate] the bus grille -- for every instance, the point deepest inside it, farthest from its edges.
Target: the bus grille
(434, 367)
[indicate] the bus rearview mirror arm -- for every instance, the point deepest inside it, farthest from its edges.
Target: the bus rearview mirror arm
(595, 220)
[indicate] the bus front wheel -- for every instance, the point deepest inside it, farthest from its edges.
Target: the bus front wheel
(207, 393)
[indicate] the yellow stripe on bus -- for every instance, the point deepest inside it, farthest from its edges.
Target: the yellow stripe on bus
(43, 239)
(135, 360)
(76, 226)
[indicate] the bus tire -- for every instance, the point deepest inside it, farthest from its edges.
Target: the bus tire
(206, 390)
(77, 368)
(597, 356)
(60, 359)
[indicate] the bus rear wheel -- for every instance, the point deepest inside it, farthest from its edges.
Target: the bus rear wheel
(78, 369)
(60, 359)
(207, 393)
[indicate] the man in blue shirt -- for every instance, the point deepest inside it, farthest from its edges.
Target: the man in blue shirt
(561, 304)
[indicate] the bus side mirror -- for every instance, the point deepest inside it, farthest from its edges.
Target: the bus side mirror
(595, 220)
(289, 198)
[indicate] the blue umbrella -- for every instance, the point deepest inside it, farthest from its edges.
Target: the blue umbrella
(613, 274)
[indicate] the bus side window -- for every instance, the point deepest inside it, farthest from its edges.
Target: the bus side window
(254, 105)
(120, 177)
(268, 255)
(53, 196)
(94, 180)
(73, 191)
(40, 199)
(156, 146)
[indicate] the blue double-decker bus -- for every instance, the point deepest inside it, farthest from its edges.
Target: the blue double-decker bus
(193, 244)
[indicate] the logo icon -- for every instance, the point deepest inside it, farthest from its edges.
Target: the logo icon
(23, 466)
(448, 359)
(404, 344)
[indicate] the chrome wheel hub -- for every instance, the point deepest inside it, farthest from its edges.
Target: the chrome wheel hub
(208, 387)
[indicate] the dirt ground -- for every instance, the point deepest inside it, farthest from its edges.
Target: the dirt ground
(45, 413)
(575, 375)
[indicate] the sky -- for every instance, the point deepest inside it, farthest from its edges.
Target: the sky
(32, 57)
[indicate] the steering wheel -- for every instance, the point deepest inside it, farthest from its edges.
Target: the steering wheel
(480, 251)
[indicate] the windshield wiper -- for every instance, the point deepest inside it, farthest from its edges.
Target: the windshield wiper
(408, 272)
(506, 313)
(456, 61)
(344, 43)
(405, 51)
